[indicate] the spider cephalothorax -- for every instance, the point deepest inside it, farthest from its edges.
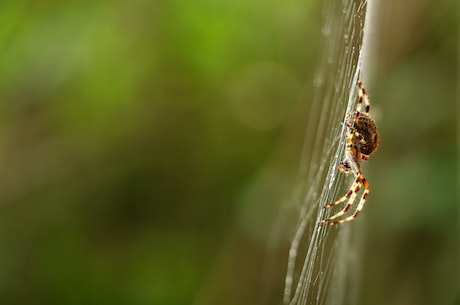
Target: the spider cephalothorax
(362, 140)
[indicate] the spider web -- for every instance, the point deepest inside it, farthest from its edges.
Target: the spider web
(322, 263)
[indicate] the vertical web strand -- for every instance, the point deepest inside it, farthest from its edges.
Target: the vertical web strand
(319, 257)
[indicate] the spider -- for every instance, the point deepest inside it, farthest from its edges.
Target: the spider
(362, 141)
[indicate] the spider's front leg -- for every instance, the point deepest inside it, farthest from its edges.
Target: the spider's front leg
(362, 97)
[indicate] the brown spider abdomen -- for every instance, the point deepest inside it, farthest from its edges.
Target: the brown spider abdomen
(369, 140)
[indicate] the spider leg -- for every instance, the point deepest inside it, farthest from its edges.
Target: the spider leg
(352, 131)
(356, 119)
(350, 135)
(346, 165)
(355, 132)
(345, 197)
(360, 205)
(351, 196)
(359, 137)
(362, 98)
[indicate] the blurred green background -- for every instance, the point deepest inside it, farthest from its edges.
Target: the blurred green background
(145, 147)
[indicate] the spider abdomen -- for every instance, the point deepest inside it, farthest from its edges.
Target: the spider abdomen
(369, 138)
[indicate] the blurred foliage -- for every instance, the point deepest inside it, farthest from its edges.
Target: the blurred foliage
(145, 146)
(128, 129)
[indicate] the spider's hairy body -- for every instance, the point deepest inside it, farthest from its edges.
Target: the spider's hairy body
(367, 128)
(362, 140)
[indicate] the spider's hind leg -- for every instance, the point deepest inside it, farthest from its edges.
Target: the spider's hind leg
(362, 201)
(351, 196)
